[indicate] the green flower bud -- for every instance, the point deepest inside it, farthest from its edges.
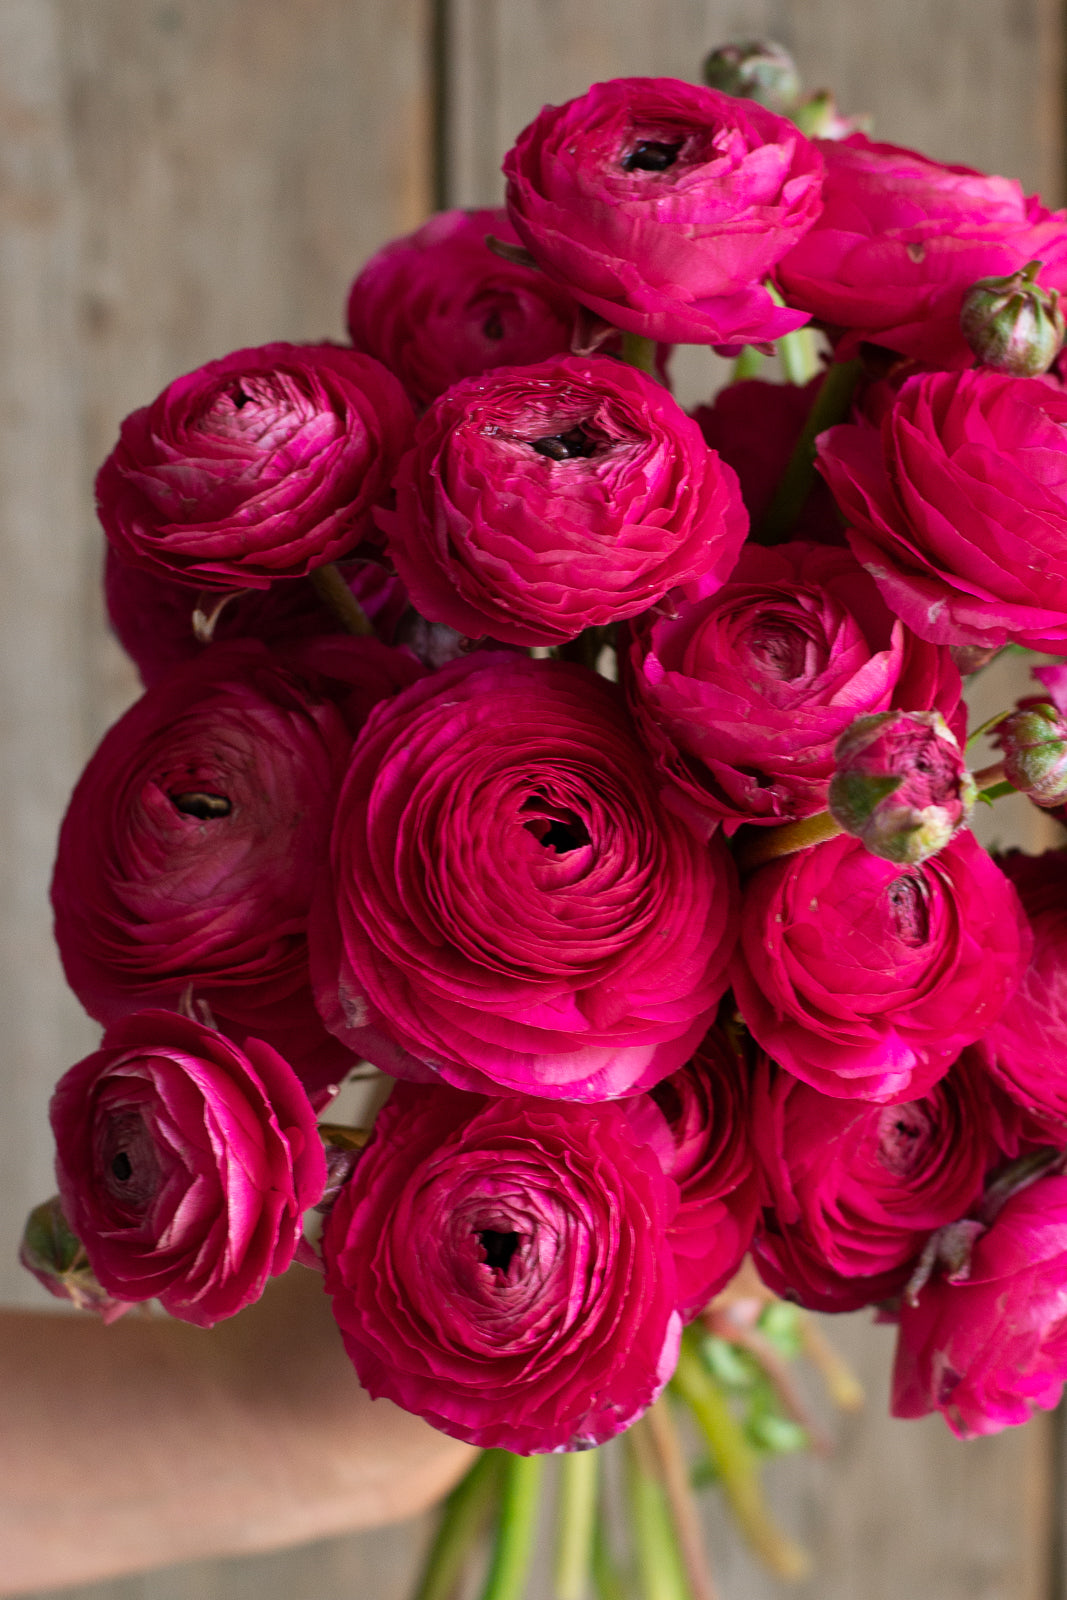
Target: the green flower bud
(758, 70)
(56, 1257)
(1033, 740)
(1012, 324)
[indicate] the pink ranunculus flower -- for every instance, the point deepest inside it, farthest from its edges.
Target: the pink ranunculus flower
(853, 1190)
(152, 616)
(265, 464)
(188, 853)
(663, 206)
(509, 906)
(1026, 1049)
(539, 501)
(991, 1348)
(957, 505)
(741, 697)
(902, 238)
(704, 1142)
(866, 979)
(500, 1267)
(185, 1164)
(439, 305)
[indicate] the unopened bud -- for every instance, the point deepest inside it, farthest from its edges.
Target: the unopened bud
(901, 784)
(56, 1257)
(1033, 741)
(1012, 324)
(817, 117)
(758, 70)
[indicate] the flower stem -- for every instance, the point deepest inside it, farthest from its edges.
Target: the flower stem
(737, 1462)
(639, 352)
(520, 1502)
(843, 1387)
(579, 1474)
(463, 1517)
(679, 1490)
(658, 1561)
(333, 591)
(748, 364)
(989, 777)
(607, 1579)
(831, 405)
(770, 843)
(796, 352)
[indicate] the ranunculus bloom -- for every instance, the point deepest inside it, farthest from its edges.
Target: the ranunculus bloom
(1026, 1049)
(663, 206)
(866, 979)
(957, 506)
(987, 1351)
(262, 465)
(185, 1164)
(902, 238)
(705, 1145)
(188, 851)
(901, 784)
(152, 615)
(741, 697)
(538, 501)
(509, 904)
(439, 305)
(852, 1191)
(500, 1268)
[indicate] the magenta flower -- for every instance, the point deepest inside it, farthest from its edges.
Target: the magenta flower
(439, 305)
(500, 1268)
(865, 979)
(741, 697)
(509, 905)
(262, 465)
(539, 501)
(958, 506)
(663, 206)
(192, 839)
(991, 1348)
(902, 238)
(185, 1164)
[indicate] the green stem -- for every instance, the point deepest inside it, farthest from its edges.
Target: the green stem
(986, 778)
(607, 1580)
(579, 1474)
(748, 364)
(463, 1518)
(658, 1561)
(985, 727)
(519, 1504)
(639, 352)
(736, 1460)
(770, 843)
(831, 405)
(334, 592)
(797, 354)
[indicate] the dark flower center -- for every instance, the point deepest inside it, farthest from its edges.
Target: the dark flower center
(493, 326)
(905, 1135)
(669, 1101)
(908, 910)
(566, 446)
(121, 1166)
(198, 803)
(561, 830)
(652, 155)
(780, 651)
(239, 397)
(128, 1164)
(499, 1248)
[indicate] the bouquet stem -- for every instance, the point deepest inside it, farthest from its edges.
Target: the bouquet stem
(639, 352)
(831, 405)
(333, 591)
(463, 1518)
(658, 1563)
(579, 1478)
(519, 1504)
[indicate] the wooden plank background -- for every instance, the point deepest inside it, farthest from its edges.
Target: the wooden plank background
(182, 177)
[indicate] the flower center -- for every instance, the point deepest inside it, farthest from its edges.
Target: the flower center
(493, 326)
(200, 804)
(908, 910)
(499, 1248)
(555, 828)
(652, 155)
(905, 1134)
(779, 652)
(576, 442)
(129, 1168)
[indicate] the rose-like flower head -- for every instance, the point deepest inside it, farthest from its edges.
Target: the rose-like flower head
(1012, 324)
(1026, 1049)
(866, 979)
(189, 848)
(185, 1164)
(152, 616)
(663, 206)
(989, 1350)
(500, 1268)
(901, 784)
(263, 465)
(509, 904)
(538, 501)
(741, 697)
(852, 1191)
(958, 506)
(902, 238)
(439, 305)
(705, 1145)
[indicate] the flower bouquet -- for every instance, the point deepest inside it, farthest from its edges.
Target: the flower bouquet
(597, 772)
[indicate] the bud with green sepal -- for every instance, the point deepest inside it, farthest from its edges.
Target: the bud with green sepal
(756, 69)
(901, 786)
(1012, 324)
(1033, 740)
(56, 1257)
